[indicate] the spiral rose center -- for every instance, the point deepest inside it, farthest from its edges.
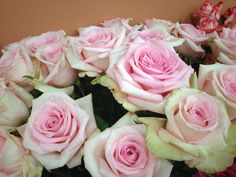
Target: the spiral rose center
(129, 154)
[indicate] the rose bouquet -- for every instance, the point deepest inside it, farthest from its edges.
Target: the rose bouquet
(156, 99)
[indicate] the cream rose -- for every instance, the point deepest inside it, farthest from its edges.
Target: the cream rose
(90, 51)
(120, 151)
(224, 46)
(57, 128)
(220, 80)
(15, 161)
(15, 63)
(148, 72)
(196, 130)
(15, 103)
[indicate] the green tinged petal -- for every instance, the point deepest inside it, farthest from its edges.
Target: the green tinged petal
(39, 85)
(215, 162)
(157, 146)
(31, 168)
(120, 97)
(231, 139)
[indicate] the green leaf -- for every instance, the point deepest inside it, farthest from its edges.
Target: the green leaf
(102, 125)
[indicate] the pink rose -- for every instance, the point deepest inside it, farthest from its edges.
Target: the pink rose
(224, 46)
(15, 63)
(156, 33)
(120, 151)
(158, 23)
(195, 131)
(57, 128)
(220, 80)
(230, 18)
(15, 161)
(49, 38)
(215, 13)
(148, 72)
(194, 38)
(49, 49)
(90, 51)
(14, 104)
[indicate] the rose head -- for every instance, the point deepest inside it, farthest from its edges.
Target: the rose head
(194, 38)
(148, 72)
(90, 51)
(224, 46)
(15, 63)
(15, 160)
(58, 127)
(120, 151)
(49, 49)
(197, 131)
(220, 80)
(230, 18)
(14, 104)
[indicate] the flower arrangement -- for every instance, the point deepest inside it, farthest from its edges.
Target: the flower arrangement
(157, 99)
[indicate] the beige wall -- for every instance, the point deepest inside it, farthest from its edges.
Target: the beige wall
(21, 18)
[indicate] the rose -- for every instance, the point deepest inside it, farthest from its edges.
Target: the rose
(207, 16)
(230, 18)
(194, 38)
(15, 63)
(49, 38)
(156, 33)
(90, 51)
(224, 46)
(49, 49)
(158, 23)
(196, 130)
(120, 151)
(57, 128)
(220, 80)
(148, 72)
(14, 104)
(15, 160)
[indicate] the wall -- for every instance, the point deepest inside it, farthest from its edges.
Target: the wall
(21, 18)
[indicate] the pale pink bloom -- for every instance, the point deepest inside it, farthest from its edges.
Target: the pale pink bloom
(121, 151)
(57, 128)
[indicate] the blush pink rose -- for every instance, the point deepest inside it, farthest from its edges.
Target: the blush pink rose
(49, 49)
(121, 151)
(57, 128)
(15, 63)
(15, 103)
(224, 46)
(230, 18)
(220, 80)
(90, 51)
(15, 161)
(148, 72)
(194, 38)
(195, 131)
(156, 33)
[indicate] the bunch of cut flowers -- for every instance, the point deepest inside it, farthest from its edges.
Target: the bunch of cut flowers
(154, 99)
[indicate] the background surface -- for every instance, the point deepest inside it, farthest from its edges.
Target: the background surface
(21, 18)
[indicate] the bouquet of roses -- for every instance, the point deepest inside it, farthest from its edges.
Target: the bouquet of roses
(156, 99)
